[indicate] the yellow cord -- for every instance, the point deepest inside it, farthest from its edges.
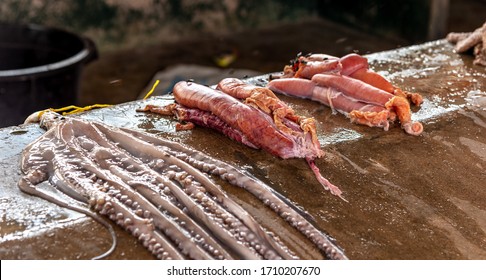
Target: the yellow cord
(72, 109)
(152, 90)
(76, 109)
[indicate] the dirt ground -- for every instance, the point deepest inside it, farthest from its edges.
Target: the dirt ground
(120, 76)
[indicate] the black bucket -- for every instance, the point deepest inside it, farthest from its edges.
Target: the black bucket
(39, 68)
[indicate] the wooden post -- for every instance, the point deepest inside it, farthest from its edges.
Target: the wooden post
(439, 14)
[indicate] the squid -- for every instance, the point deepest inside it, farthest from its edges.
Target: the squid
(348, 86)
(251, 115)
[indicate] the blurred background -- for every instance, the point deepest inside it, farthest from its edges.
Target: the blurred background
(137, 39)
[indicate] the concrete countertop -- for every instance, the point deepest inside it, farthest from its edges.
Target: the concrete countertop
(409, 197)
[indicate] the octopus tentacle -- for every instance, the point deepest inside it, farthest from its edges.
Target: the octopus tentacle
(195, 210)
(402, 109)
(263, 192)
(100, 195)
(192, 206)
(169, 227)
(197, 160)
(371, 119)
(184, 243)
(198, 212)
(144, 230)
(26, 185)
(235, 209)
(203, 238)
(323, 181)
(124, 195)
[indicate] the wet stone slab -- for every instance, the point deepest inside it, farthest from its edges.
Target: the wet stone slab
(409, 197)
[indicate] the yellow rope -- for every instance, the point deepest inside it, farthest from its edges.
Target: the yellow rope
(152, 90)
(76, 109)
(72, 109)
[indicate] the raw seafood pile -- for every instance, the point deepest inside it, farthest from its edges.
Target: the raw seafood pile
(251, 115)
(475, 40)
(159, 191)
(348, 86)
